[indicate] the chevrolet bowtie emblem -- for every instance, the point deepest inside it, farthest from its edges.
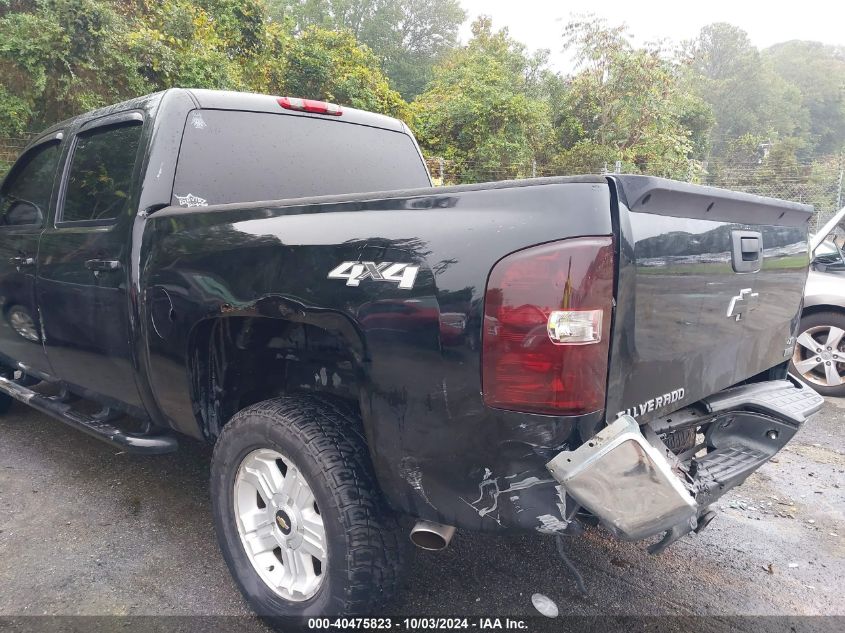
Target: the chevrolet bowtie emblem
(282, 523)
(741, 304)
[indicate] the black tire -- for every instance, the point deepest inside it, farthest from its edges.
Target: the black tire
(364, 543)
(821, 320)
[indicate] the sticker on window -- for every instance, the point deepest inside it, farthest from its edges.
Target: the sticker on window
(191, 201)
(197, 122)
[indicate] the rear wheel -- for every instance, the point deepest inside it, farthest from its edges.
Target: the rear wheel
(819, 357)
(299, 517)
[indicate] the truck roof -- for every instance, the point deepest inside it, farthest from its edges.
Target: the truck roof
(254, 102)
(230, 100)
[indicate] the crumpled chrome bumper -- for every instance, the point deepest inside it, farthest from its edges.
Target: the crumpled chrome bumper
(625, 481)
(637, 487)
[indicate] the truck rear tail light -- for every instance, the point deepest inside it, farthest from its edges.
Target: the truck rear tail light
(310, 105)
(546, 330)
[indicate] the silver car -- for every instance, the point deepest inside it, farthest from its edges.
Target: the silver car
(819, 358)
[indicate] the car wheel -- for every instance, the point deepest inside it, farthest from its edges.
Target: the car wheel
(819, 357)
(298, 513)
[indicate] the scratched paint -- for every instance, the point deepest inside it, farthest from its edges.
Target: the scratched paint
(489, 491)
(550, 524)
(412, 474)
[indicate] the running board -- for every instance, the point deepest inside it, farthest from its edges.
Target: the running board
(101, 428)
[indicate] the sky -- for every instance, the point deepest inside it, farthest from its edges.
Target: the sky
(539, 23)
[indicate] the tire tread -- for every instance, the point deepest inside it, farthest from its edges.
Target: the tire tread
(333, 434)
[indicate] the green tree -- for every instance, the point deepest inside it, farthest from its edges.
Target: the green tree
(818, 72)
(332, 65)
(425, 30)
(233, 44)
(407, 36)
(483, 110)
(61, 57)
(625, 104)
(746, 95)
(181, 43)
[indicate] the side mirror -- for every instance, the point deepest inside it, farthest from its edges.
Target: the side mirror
(23, 213)
(827, 257)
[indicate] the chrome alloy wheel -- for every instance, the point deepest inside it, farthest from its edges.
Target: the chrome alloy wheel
(818, 356)
(280, 525)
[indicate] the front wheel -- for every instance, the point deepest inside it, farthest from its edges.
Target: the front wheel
(298, 514)
(819, 357)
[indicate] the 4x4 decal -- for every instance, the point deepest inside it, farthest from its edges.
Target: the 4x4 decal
(356, 272)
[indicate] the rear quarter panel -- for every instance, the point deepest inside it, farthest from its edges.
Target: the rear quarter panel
(440, 453)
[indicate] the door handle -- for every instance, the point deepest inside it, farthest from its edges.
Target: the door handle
(98, 265)
(21, 261)
(750, 249)
(746, 251)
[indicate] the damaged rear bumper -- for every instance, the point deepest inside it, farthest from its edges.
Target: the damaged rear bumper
(625, 481)
(638, 488)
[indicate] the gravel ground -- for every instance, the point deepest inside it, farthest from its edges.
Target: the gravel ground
(86, 530)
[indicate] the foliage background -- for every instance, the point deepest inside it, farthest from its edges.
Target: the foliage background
(715, 109)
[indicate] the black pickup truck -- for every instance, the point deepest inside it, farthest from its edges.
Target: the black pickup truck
(278, 277)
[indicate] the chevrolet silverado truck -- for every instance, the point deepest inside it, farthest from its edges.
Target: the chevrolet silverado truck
(278, 277)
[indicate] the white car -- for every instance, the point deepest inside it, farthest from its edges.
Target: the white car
(819, 357)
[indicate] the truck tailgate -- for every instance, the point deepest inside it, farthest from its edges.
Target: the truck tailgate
(709, 293)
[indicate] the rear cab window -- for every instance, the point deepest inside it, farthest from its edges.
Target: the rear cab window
(234, 156)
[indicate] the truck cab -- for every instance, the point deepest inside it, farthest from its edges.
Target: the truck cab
(69, 204)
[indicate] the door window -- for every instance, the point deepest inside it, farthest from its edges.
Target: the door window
(26, 193)
(100, 178)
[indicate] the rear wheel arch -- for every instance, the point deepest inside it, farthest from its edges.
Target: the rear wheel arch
(822, 307)
(237, 359)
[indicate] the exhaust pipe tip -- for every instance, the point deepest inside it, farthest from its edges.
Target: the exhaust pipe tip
(431, 536)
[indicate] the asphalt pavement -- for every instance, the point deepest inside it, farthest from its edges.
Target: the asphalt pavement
(88, 530)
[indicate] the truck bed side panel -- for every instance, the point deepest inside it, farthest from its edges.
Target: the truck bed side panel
(440, 453)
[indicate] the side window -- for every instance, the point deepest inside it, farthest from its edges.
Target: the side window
(100, 177)
(25, 196)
